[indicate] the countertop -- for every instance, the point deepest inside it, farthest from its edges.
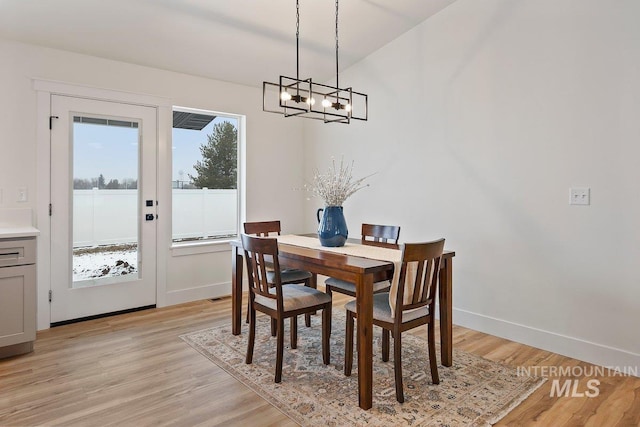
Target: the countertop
(11, 232)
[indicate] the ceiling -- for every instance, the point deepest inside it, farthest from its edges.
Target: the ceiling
(241, 41)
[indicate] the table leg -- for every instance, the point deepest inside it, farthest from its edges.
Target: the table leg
(446, 308)
(364, 307)
(236, 290)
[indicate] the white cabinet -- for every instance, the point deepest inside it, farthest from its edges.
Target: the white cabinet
(17, 295)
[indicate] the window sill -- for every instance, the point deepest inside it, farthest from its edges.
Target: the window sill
(195, 248)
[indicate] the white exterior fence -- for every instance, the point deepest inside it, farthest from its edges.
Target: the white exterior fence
(102, 217)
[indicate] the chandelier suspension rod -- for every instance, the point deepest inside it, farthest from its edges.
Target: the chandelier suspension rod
(337, 73)
(298, 39)
(298, 47)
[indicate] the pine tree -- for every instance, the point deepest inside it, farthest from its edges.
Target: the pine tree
(219, 165)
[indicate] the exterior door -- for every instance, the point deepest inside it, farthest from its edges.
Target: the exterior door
(103, 207)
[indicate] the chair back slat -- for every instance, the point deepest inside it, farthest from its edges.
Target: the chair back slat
(430, 276)
(418, 277)
(380, 233)
(261, 253)
(263, 228)
(419, 287)
(260, 273)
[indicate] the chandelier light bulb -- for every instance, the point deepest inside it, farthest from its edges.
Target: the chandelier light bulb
(347, 107)
(285, 96)
(310, 101)
(326, 103)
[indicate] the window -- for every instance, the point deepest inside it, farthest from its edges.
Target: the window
(204, 175)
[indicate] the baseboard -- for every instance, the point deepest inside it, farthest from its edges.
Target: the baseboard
(587, 351)
(180, 296)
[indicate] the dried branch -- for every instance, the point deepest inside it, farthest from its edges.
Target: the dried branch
(335, 186)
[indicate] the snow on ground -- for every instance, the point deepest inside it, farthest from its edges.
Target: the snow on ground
(104, 261)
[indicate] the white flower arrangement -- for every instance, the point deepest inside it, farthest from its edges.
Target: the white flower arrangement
(335, 186)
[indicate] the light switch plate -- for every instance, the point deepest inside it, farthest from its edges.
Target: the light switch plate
(580, 196)
(22, 194)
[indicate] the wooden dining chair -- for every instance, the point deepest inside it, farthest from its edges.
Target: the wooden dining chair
(409, 304)
(278, 300)
(376, 235)
(288, 276)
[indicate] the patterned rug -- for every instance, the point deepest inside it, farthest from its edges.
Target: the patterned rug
(473, 392)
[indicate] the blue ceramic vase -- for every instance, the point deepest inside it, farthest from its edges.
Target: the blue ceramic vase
(332, 227)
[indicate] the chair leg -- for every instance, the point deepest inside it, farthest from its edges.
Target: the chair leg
(397, 365)
(252, 336)
(307, 320)
(348, 345)
(294, 332)
(310, 283)
(328, 292)
(274, 327)
(326, 333)
(329, 320)
(385, 345)
(432, 353)
(280, 349)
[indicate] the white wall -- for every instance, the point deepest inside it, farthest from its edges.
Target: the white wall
(481, 119)
(274, 150)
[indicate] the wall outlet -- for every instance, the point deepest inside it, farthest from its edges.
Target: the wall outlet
(580, 196)
(22, 194)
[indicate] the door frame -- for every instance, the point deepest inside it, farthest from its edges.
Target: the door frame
(44, 89)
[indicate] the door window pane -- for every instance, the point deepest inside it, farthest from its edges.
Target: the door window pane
(105, 200)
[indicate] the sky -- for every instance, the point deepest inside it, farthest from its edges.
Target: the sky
(186, 148)
(108, 150)
(113, 151)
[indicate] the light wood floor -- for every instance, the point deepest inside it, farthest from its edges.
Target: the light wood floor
(133, 370)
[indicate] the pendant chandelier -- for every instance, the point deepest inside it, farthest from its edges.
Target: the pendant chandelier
(296, 97)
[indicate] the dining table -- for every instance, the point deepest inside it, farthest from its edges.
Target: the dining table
(361, 271)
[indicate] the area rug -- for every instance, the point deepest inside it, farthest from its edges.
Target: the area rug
(473, 392)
